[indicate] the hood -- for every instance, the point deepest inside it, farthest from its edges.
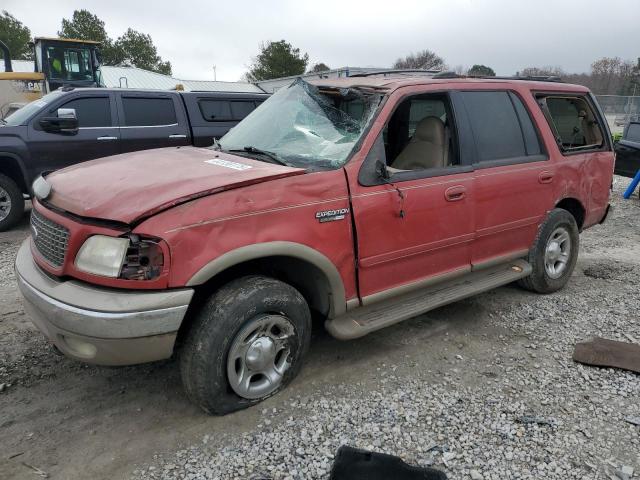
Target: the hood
(129, 187)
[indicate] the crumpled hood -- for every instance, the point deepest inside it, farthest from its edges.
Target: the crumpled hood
(133, 186)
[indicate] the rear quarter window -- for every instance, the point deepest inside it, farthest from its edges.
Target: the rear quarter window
(239, 110)
(573, 121)
(215, 110)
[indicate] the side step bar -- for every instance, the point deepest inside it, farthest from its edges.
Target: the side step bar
(364, 320)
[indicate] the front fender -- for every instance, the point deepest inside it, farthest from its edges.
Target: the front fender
(277, 248)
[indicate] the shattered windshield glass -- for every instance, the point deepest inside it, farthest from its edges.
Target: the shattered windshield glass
(303, 126)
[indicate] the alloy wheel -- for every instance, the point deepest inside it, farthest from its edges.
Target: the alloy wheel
(260, 355)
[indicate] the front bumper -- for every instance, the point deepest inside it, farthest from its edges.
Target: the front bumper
(100, 325)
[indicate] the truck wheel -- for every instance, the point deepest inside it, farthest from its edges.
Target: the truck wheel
(554, 253)
(246, 343)
(11, 203)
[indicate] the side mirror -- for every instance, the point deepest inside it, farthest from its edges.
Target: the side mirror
(65, 123)
(381, 170)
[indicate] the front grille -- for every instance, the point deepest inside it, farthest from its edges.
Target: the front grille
(50, 238)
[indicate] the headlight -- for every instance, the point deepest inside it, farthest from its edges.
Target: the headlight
(102, 255)
(129, 258)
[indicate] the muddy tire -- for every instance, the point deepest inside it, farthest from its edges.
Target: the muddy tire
(247, 343)
(11, 203)
(554, 253)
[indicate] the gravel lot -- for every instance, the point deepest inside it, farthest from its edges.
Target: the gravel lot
(484, 388)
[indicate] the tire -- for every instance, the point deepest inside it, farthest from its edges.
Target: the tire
(252, 307)
(11, 203)
(548, 276)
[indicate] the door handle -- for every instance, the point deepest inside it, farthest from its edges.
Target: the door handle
(545, 177)
(107, 138)
(177, 136)
(455, 193)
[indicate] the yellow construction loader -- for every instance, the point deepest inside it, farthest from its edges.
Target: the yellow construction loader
(58, 62)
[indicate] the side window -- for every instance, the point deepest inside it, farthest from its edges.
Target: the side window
(633, 133)
(495, 126)
(241, 109)
(529, 132)
(91, 112)
(215, 110)
(573, 122)
(148, 111)
(421, 135)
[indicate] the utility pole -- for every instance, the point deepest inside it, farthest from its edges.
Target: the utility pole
(214, 73)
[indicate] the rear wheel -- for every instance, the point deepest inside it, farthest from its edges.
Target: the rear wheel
(246, 344)
(11, 203)
(554, 253)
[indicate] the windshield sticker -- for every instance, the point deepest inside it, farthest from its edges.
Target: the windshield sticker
(228, 164)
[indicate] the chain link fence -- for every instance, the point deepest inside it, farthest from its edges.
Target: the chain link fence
(619, 110)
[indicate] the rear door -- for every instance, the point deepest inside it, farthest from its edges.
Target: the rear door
(151, 120)
(513, 180)
(98, 133)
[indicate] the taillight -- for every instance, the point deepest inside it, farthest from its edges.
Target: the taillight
(144, 259)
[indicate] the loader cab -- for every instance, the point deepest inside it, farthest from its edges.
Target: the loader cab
(68, 62)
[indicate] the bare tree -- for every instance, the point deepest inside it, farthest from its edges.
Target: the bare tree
(542, 71)
(424, 60)
(611, 75)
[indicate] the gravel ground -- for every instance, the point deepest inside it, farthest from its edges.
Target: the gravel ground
(483, 388)
(515, 406)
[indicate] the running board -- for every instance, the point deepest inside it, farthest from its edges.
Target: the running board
(363, 320)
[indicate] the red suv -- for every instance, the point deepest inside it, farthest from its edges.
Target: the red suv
(359, 202)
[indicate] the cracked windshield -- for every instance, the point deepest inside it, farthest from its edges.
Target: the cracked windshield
(303, 126)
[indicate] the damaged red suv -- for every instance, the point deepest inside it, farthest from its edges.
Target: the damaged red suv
(358, 202)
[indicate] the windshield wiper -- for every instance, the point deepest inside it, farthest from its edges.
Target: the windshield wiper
(265, 153)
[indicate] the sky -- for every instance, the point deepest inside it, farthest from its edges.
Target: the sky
(507, 35)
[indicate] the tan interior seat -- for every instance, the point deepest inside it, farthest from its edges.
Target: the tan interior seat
(426, 149)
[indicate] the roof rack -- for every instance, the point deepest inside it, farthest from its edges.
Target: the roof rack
(531, 78)
(395, 72)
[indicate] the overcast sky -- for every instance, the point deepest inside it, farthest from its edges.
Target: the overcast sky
(506, 35)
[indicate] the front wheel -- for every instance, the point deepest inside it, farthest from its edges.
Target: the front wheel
(554, 253)
(11, 203)
(246, 343)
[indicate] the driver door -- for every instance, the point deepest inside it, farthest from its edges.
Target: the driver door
(417, 226)
(98, 134)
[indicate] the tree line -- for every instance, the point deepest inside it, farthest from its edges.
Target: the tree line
(275, 59)
(130, 48)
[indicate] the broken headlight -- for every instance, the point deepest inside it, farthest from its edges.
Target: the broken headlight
(144, 259)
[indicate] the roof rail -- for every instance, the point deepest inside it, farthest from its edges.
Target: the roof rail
(438, 74)
(395, 72)
(536, 78)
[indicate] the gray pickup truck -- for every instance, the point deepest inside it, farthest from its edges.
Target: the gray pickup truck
(69, 126)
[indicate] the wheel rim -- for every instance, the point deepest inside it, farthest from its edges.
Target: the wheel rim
(5, 204)
(557, 252)
(260, 355)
